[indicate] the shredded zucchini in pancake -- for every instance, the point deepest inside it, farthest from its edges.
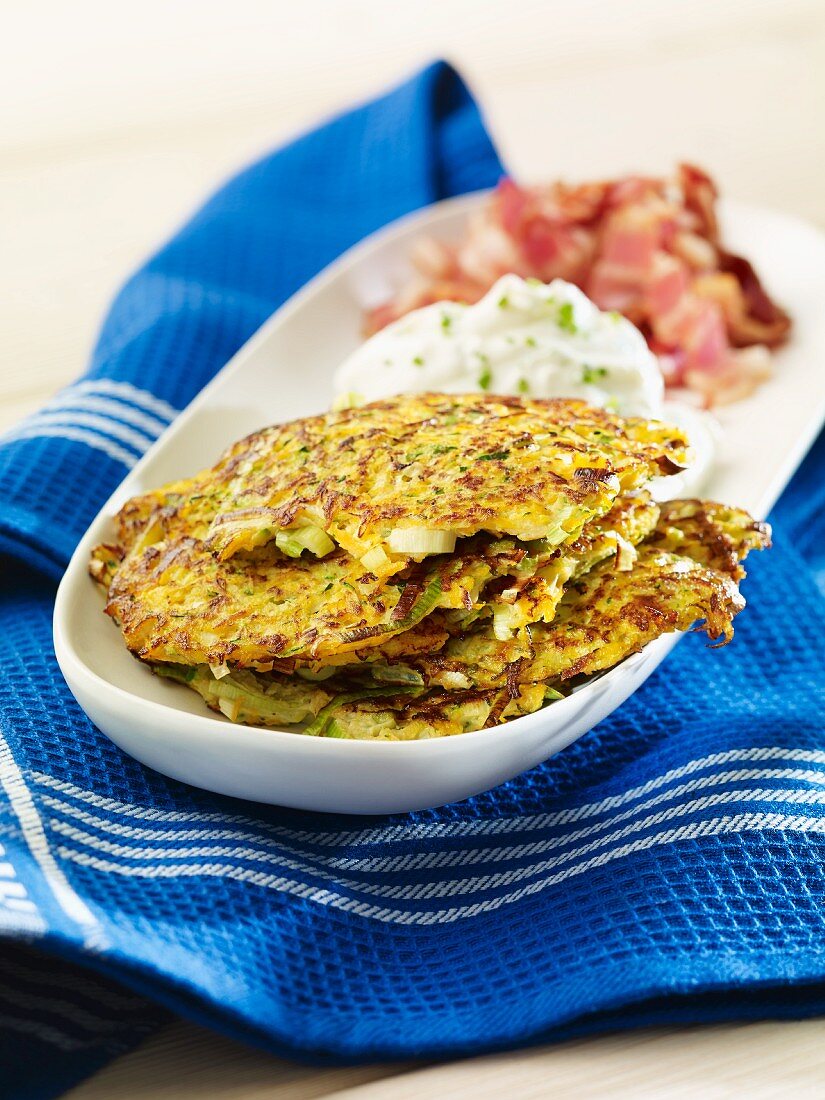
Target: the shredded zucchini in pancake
(420, 567)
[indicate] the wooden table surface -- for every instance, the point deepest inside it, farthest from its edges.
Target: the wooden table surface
(123, 116)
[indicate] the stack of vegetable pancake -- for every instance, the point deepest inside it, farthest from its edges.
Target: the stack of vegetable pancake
(422, 566)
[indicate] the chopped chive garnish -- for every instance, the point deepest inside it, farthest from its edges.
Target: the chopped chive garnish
(592, 374)
(566, 319)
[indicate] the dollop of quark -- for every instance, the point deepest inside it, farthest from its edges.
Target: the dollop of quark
(523, 337)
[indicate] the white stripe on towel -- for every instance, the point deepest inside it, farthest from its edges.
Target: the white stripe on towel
(431, 830)
(75, 435)
(127, 392)
(728, 825)
(69, 402)
(103, 425)
(264, 848)
(22, 804)
(427, 890)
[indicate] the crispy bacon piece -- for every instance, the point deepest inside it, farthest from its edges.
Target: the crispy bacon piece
(753, 317)
(648, 248)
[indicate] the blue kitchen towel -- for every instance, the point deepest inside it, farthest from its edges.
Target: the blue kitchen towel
(666, 867)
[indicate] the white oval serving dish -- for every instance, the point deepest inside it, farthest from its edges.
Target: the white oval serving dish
(285, 371)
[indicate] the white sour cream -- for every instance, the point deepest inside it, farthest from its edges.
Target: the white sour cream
(524, 337)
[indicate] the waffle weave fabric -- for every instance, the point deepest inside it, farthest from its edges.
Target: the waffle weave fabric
(669, 866)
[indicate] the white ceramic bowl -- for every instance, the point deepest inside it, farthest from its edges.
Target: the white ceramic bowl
(285, 371)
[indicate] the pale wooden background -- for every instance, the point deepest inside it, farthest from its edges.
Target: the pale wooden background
(117, 118)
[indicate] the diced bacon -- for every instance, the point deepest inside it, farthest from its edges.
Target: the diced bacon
(631, 242)
(554, 251)
(433, 258)
(646, 247)
(700, 194)
(669, 230)
(668, 285)
(583, 204)
(631, 191)
(624, 267)
(672, 364)
(542, 242)
(697, 252)
(705, 340)
(760, 320)
(512, 201)
(609, 288)
(743, 372)
(379, 317)
(488, 252)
